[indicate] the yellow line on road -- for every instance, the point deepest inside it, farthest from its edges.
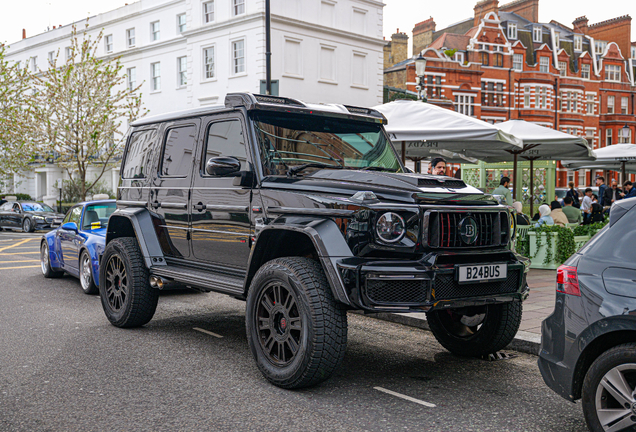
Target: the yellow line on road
(7, 268)
(14, 245)
(18, 253)
(18, 261)
(28, 239)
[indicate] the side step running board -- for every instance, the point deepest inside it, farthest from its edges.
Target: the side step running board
(209, 281)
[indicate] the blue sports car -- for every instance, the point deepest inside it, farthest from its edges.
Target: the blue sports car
(75, 246)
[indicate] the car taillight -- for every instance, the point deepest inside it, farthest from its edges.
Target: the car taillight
(568, 281)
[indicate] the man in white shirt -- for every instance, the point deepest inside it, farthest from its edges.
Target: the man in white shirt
(586, 205)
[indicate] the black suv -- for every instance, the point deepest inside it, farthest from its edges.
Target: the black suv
(305, 211)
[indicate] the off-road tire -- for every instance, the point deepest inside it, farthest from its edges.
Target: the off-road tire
(134, 306)
(88, 286)
(497, 330)
(623, 356)
(322, 338)
(45, 263)
(27, 225)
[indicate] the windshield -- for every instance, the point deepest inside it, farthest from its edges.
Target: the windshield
(36, 207)
(96, 215)
(286, 140)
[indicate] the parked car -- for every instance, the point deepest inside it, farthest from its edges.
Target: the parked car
(305, 211)
(27, 216)
(76, 246)
(588, 345)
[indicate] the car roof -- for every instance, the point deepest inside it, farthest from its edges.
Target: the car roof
(85, 203)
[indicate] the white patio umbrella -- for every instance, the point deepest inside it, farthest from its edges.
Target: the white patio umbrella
(424, 130)
(613, 157)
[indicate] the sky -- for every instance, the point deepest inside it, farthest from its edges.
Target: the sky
(36, 15)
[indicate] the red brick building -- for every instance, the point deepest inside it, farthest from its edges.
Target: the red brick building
(503, 64)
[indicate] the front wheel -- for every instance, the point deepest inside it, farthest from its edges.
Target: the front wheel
(27, 225)
(296, 330)
(124, 289)
(476, 331)
(86, 274)
(609, 390)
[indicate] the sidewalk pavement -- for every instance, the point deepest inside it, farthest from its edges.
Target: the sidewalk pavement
(536, 308)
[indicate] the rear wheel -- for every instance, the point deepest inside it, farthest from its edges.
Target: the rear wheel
(45, 263)
(296, 330)
(125, 292)
(86, 274)
(476, 331)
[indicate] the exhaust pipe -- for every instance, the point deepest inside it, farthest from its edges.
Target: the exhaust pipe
(159, 282)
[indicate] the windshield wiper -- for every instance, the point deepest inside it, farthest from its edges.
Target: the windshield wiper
(298, 168)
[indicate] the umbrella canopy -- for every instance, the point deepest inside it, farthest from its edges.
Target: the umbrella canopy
(617, 157)
(424, 129)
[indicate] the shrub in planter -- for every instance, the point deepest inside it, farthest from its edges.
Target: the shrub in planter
(555, 244)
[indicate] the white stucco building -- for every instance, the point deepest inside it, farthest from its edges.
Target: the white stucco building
(188, 53)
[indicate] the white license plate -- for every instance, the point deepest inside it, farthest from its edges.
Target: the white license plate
(482, 272)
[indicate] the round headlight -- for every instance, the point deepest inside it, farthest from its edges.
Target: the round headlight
(390, 227)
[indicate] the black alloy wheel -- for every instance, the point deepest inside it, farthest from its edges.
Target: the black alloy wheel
(27, 225)
(116, 283)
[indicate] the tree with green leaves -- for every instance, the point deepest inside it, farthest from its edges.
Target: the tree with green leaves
(80, 107)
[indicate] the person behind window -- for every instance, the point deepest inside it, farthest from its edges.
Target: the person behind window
(572, 213)
(503, 190)
(521, 218)
(574, 194)
(437, 166)
(545, 219)
(557, 214)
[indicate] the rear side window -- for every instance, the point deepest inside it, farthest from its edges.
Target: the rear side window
(138, 155)
(177, 152)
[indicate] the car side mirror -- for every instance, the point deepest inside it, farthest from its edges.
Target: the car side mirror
(70, 226)
(223, 166)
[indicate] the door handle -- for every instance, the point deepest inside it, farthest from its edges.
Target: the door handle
(199, 206)
(155, 204)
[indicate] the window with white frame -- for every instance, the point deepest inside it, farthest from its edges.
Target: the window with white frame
(208, 63)
(130, 37)
(238, 7)
(108, 43)
(585, 71)
(573, 102)
(491, 94)
(537, 34)
(624, 105)
(590, 103)
(359, 21)
(608, 136)
(544, 64)
(181, 23)
(610, 104)
(359, 69)
(155, 76)
(131, 78)
(557, 40)
(51, 57)
(526, 97)
(563, 68)
(589, 136)
(154, 31)
(578, 43)
(517, 62)
(512, 30)
(328, 63)
(599, 46)
(34, 64)
(434, 87)
(238, 56)
(465, 104)
(624, 136)
(292, 53)
(68, 52)
(459, 57)
(327, 13)
(208, 12)
(613, 73)
(182, 71)
(633, 52)
(543, 97)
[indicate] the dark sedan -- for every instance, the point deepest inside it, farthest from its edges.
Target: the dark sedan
(28, 216)
(588, 344)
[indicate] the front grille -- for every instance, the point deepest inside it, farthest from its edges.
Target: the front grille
(446, 287)
(391, 291)
(444, 229)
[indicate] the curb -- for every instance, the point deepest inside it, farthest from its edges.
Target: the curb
(524, 342)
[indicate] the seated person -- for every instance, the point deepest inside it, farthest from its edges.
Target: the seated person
(573, 214)
(545, 219)
(557, 214)
(596, 212)
(521, 218)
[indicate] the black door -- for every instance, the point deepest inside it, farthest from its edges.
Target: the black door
(171, 186)
(14, 217)
(221, 226)
(5, 210)
(69, 240)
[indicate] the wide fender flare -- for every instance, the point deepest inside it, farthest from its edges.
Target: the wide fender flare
(49, 238)
(137, 222)
(327, 239)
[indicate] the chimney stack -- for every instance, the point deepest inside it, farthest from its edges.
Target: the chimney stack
(580, 24)
(23, 33)
(483, 8)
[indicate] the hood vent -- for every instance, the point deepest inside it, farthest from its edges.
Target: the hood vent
(455, 184)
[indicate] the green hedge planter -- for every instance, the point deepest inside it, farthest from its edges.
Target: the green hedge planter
(540, 258)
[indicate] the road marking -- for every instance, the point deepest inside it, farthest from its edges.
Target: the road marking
(18, 253)
(205, 331)
(408, 398)
(7, 268)
(18, 261)
(12, 246)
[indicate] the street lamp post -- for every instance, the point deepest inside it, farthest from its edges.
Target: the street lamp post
(420, 70)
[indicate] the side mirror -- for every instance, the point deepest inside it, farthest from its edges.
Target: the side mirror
(223, 166)
(70, 226)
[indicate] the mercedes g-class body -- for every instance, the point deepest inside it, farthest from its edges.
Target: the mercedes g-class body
(305, 211)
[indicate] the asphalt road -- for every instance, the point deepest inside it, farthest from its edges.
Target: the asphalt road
(63, 367)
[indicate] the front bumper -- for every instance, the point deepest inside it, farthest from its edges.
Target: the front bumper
(430, 283)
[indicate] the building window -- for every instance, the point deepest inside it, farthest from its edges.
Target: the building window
(624, 105)
(610, 104)
(155, 75)
(51, 57)
(328, 63)
(578, 43)
(599, 46)
(108, 43)
(238, 56)
(624, 137)
(434, 87)
(459, 57)
(327, 13)
(359, 69)
(541, 96)
(292, 52)
(182, 71)
(238, 7)
(557, 40)
(537, 34)
(613, 73)
(154, 31)
(485, 57)
(34, 64)
(498, 60)
(544, 64)
(563, 68)
(464, 104)
(130, 37)
(608, 137)
(590, 104)
(585, 71)
(517, 62)
(208, 12)
(572, 102)
(492, 94)
(512, 30)
(359, 21)
(589, 136)
(68, 53)
(208, 63)
(526, 97)
(181, 23)
(131, 78)
(634, 52)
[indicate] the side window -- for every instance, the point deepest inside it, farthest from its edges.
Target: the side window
(138, 154)
(176, 160)
(67, 218)
(75, 214)
(16, 207)
(225, 138)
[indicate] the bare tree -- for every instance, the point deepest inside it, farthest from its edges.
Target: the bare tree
(80, 108)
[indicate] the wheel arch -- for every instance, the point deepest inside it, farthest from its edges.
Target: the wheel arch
(137, 223)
